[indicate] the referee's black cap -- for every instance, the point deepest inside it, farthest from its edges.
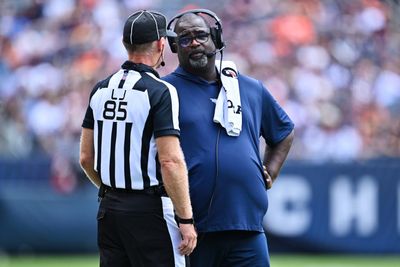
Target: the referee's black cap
(145, 26)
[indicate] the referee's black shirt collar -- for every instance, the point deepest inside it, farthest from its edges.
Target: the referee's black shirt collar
(139, 67)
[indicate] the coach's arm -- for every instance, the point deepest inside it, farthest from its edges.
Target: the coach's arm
(86, 156)
(274, 158)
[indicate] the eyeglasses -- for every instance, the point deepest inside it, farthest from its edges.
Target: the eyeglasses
(201, 37)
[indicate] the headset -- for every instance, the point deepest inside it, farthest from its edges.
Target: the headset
(215, 32)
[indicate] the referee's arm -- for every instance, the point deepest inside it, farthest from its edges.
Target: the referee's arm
(175, 178)
(174, 173)
(86, 158)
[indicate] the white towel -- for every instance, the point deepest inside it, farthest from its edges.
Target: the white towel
(228, 109)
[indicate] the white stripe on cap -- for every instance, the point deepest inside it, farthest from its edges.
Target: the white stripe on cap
(158, 34)
(173, 230)
(133, 22)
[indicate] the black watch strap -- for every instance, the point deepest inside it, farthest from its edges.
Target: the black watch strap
(184, 221)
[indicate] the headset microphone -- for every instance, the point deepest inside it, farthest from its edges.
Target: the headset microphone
(162, 64)
(211, 54)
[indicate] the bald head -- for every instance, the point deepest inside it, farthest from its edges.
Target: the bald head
(190, 20)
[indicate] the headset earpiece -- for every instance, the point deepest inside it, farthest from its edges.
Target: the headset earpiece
(172, 44)
(216, 37)
(215, 32)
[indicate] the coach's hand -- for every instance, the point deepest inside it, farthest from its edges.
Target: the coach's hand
(268, 178)
(189, 239)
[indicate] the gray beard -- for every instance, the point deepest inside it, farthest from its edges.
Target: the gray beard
(199, 63)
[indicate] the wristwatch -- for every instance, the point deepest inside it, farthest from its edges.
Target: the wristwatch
(184, 221)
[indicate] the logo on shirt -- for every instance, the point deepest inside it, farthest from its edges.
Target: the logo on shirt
(229, 72)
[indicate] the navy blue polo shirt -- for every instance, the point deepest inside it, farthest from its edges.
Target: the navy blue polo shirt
(226, 181)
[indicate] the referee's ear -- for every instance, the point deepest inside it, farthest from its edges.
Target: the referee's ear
(161, 44)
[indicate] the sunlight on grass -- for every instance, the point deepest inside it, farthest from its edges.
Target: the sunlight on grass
(277, 260)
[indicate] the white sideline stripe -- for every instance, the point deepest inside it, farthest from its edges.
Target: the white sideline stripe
(168, 214)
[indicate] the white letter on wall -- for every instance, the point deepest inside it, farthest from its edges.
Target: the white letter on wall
(353, 203)
(289, 211)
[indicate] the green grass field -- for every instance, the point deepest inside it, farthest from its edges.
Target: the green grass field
(281, 260)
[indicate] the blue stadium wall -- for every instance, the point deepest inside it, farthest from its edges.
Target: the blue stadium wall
(348, 208)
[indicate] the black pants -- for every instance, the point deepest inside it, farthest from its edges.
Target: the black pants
(137, 229)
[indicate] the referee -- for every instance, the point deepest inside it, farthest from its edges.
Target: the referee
(130, 150)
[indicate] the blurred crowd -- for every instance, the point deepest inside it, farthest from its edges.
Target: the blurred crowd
(333, 65)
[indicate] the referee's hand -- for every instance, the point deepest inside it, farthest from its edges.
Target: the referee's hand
(189, 239)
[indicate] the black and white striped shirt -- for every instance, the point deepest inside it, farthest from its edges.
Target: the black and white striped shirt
(127, 111)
